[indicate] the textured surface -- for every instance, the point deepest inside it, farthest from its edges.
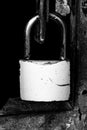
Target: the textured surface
(62, 7)
(70, 120)
(82, 44)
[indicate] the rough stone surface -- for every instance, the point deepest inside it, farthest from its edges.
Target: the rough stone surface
(82, 42)
(62, 7)
(70, 120)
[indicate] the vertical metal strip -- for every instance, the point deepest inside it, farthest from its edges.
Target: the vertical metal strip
(42, 21)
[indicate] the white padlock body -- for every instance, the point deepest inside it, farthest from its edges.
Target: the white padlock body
(44, 80)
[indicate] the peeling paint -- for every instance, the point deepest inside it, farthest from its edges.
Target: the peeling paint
(62, 7)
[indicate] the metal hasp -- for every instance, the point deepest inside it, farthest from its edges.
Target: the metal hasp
(43, 18)
(43, 15)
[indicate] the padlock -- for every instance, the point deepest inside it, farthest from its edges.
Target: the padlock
(44, 80)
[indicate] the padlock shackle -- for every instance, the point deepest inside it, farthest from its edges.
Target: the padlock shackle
(28, 30)
(27, 35)
(63, 56)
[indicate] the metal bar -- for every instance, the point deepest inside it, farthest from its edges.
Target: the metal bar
(42, 21)
(44, 14)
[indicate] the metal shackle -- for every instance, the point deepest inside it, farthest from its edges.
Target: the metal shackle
(28, 30)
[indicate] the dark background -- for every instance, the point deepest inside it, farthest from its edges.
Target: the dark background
(14, 17)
